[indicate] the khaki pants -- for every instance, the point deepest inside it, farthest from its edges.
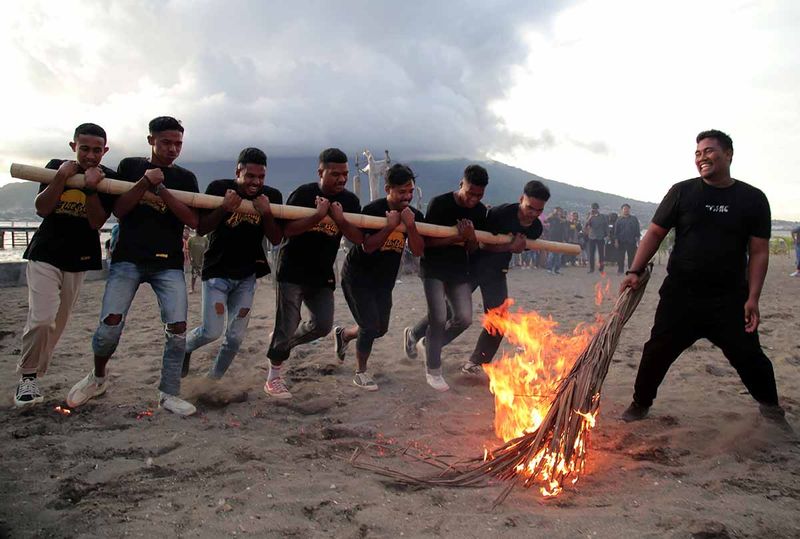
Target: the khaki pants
(51, 295)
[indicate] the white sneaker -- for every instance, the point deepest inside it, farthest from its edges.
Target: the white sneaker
(86, 389)
(795, 274)
(409, 345)
(174, 404)
(436, 381)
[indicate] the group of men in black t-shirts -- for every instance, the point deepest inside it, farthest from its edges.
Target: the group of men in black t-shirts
(149, 249)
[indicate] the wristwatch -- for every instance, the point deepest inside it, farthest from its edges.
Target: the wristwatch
(158, 188)
(638, 273)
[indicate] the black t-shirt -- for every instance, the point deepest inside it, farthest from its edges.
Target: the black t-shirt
(379, 268)
(308, 257)
(449, 263)
(713, 227)
(558, 228)
(502, 219)
(235, 247)
(151, 234)
(65, 239)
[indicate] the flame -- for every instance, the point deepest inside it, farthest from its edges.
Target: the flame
(525, 382)
(145, 413)
(63, 410)
(601, 290)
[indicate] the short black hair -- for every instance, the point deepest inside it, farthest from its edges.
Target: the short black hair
(595, 206)
(399, 175)
(332, 155)
(164, 123)
(252, 156)
(723, 138)
(536, 189)
(626, 205)
(476, 175)
(93, 130)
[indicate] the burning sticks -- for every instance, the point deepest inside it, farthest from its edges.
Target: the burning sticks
(553, 452)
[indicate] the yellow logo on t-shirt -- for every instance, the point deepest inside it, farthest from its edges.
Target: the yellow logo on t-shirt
(395, 242)
(237, 218)
(158, 205)
(329, 229)
(72, 202)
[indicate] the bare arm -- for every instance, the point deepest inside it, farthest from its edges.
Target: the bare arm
(516, 244)
(647, 248)
(415, 241)
(350, 231)
(95, 212)
(373, 242)
(186, 215)
(211, 220)
(128, 200)
(756, 273)
(47, 200)
(271, 229)
(296, 227)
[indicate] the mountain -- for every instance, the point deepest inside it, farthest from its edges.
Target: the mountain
(433, 177)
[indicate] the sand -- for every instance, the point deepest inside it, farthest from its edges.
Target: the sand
(704, 464)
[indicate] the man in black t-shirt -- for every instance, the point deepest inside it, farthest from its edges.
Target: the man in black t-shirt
(234, 259)
(627, 232)
(65, 246)
(715, 275)
(596, 231)
(444, 269)
(149, 250)
(305, 263)
(489, 267)
(370, 270)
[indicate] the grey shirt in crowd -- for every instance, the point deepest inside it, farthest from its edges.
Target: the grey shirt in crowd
(627, 229)
(598, 226)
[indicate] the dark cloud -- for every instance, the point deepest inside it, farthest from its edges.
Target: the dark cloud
(293, 77)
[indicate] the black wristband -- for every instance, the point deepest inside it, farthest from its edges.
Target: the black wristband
(638, 273)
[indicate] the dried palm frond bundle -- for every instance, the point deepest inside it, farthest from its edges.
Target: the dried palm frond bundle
(555, 453)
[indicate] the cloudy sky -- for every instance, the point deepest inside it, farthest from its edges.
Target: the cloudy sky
(606, 94)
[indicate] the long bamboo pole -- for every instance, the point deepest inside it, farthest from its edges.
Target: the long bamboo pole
(280, 211)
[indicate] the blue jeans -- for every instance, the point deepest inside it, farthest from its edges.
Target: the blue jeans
(437, 327)
(124, 279)
(288, 331)
(233, 297)
(554, 262)
(797, 255)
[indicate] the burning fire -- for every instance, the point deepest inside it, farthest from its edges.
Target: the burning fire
(63, 410)
(525, 382)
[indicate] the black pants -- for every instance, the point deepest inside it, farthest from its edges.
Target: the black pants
(600, 247)
(681, 320)
(494, 291)
(371, 308)
(629, 248)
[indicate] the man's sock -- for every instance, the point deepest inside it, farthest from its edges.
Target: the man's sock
(274, 372)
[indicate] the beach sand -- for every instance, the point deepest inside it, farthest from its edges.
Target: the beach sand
(704, 464)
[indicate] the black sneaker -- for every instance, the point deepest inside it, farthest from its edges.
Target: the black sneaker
(339, 344)
(187, 360)
(409, 344)
(635, 412)
(27, 393)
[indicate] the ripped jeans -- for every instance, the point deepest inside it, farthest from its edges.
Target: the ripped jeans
(169, 285)
(221, 296)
